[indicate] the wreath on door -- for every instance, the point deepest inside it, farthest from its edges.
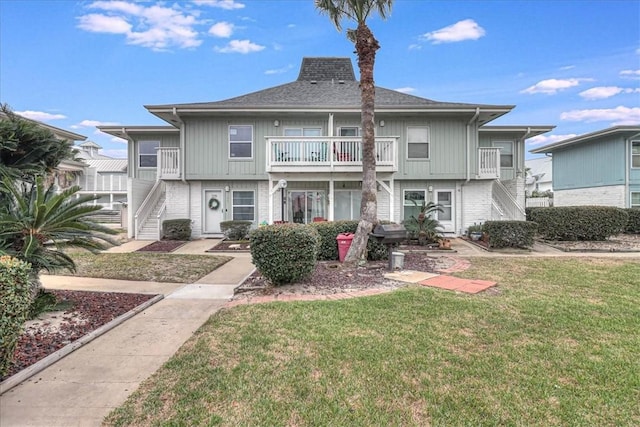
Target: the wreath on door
(214, 204)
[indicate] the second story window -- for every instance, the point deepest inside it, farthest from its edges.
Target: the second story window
(506, 153)
(240, 141)
(148, 154)
(349, 131)
(635, 154)
(303, 132)
(418, 142)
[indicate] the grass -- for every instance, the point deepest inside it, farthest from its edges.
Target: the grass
(556, 344)
(154, 267)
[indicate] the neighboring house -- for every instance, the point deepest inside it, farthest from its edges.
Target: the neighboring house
(102, 176)
(539, 175)
(598, 168)
(228, 160)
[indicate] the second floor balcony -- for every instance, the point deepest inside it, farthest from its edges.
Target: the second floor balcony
(327, 154)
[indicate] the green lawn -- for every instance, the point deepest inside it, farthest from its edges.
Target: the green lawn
(556, 343)
(145, 266)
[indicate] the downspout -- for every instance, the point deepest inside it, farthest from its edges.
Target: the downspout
(468, 164)
(183, 161)
(523, 139)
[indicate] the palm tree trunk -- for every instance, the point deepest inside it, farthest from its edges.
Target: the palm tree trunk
(366, 47)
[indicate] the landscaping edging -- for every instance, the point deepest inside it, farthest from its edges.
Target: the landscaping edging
(27, 373)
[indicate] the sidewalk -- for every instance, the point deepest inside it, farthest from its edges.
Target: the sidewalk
(83, 387)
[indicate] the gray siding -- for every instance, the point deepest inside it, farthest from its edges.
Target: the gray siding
(488, 138)
(148, 173)
(596, 164)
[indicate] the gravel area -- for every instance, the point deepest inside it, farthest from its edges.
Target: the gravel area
(619, 243)
(52, 331)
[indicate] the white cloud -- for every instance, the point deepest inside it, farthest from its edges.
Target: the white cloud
(540, 140)
(156, 27)
(94, 123)
(118, 140)
(221, 29)
(116, 153)
(291, 26)
(604, 92)
(415, 46)
(222, 4)
(405, 89)
(240, 46)
(40, 116)
(617, 116)
(551, 86)
(467, 29)
(568, 67)
(279, 70)
(630, 74)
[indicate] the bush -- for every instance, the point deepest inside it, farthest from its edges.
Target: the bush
(285, 253)
(176, 229)
(579, 222)
(633, 224)
(15, 300)
(236, 230)
(329, 230)
(510, 234)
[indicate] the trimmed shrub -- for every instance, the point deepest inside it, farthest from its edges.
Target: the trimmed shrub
(15, 300)
(633, 224)
(176, 229)
(284, 253)
(510, 234)
(236, 230)
(579, 222)
(329, 230)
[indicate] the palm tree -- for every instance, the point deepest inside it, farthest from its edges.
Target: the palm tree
(36, 225)
(366, 47)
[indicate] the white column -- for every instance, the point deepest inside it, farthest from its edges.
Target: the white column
(331, 198)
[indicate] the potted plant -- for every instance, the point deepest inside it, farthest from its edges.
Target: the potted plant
(474, 232)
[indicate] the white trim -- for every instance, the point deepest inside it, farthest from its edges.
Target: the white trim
(154, 155)
(240, 142)
(448, 226)
(512, 154)
(428, 142)
(631, 205)
(254, 206)
(635, 155)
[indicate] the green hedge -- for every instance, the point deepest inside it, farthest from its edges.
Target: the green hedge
(176, 229)
(15, 300)
(329, 230)
(236, 230)
(510, 234)
(633, 224)
(284, 253)
(579, 222)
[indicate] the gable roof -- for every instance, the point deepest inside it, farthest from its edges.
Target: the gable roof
(540, 170)
(59, 133)
(625, 131)
(324, 85)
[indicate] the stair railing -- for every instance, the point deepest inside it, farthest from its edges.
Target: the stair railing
(145, 209)
(508, 204)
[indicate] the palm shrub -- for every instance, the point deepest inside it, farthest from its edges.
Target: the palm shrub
(427, 228)
(285, 253)
(15, 299)
(37, 224)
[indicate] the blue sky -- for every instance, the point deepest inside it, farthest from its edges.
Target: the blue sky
(77, 64)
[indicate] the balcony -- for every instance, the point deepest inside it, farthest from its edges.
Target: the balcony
(168, 163)
(327, 154)
(488, 163)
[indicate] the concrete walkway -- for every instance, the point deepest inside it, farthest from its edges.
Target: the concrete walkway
(83, 387)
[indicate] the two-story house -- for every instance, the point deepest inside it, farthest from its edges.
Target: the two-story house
(598, 168)
(293, 153)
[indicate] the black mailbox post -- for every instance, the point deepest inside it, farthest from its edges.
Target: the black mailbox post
(389, 235)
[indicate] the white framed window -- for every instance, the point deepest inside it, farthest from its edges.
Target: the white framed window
(506, 153)
(148, 154)
(349, 131)
(635, 199)
(412, 201)
(243, 205)
(635, 154)
(240, 141)
(347, 204)
(418, 142)
(303, 132)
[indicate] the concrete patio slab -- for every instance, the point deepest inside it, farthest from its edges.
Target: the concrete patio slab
(409, 276)
(196, 291)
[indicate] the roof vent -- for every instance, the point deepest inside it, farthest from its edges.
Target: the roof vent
(313, 82)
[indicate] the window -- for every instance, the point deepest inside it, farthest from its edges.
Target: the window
(635, 199)
(418, 142)
(243, 206)
(347, 204)
(506, 153)
(444, 199)
(412, 202)
(241, 141)
(350, 131)
(147, 154)
(303, 132)
(307, 205)
(635, 154)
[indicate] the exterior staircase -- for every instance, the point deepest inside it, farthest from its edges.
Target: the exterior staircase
(151, 226)
(504, 206)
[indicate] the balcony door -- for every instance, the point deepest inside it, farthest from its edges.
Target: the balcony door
(305, 206)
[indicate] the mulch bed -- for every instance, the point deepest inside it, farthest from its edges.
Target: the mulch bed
(90, 310)
(162, 246)
(230, 246)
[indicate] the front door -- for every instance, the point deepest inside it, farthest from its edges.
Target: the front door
(213, 210)
(445, 199)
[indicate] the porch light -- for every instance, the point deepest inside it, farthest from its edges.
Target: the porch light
(430, 188)
(381, 123)
(276, 123)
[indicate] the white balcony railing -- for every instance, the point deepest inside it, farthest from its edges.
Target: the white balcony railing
(168, 163)
(329, 153)
(488, 163)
